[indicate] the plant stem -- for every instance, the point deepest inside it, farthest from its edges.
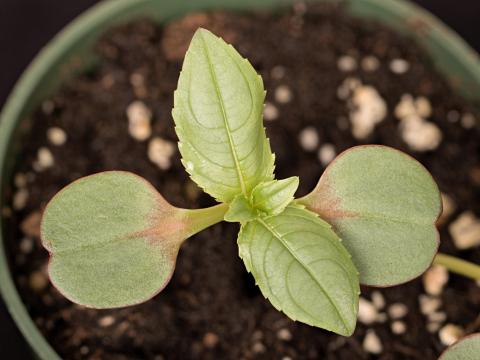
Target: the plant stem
(458, 266)
(200, 219)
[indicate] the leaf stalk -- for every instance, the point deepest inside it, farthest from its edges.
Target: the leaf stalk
(200, 219)
(458, 266)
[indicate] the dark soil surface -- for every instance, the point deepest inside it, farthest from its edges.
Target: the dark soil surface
(212, 309)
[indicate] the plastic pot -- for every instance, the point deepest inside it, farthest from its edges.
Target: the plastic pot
(71, 52)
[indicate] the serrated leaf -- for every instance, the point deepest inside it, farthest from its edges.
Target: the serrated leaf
(384, 205)
(240, 210)
(218, 109)
(467, 348)
(301, 266)
(113, 239)
(272, 197)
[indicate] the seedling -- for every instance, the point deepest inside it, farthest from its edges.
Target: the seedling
(113, 239)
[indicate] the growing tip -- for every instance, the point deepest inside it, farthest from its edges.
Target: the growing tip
(202, 33)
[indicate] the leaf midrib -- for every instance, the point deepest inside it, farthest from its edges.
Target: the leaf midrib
(224, 116)
(119, 238)
(336, 214)
(91, 246)
(307, 269)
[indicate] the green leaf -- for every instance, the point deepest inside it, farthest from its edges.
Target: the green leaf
(267, 198)
(272, 197)
(240, 210)
(218, 108)
(113, 239)
(467, 348)
(301, 266)
(384, 205)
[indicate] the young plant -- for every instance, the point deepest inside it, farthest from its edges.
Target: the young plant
(113, 239)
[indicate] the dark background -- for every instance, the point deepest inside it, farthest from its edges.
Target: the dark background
(27, 25)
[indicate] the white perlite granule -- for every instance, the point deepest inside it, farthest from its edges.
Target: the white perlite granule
(429, 304)
(398, 327)
(20, 180)
(44, 160)
(378, 300)
(20, 199)
(449, 334)
(270, 112)
(26, 245)
(38, 280)
(106, 321)
(397, 311)
(283, 94)
(372, 343)
(434, 279)
(160, 152)
(368, 109)
(419, 134)
(139, 118)
(409, 106)
(308, 138)
(56, 136)
(399, 66)
(346, 63)
(405, 107)
(423, 107)
(468, 121)
(326, 154)
(367, 312)
(416, 131)
(284, 335)
(465, 231)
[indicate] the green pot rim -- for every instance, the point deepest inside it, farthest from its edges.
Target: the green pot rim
(451, 54)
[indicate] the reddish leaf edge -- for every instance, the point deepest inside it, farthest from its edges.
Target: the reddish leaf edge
(190, 216)
(303, 201)
(90, 306)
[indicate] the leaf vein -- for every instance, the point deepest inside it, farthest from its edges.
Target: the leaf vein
(308, 271)
(224, 115)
